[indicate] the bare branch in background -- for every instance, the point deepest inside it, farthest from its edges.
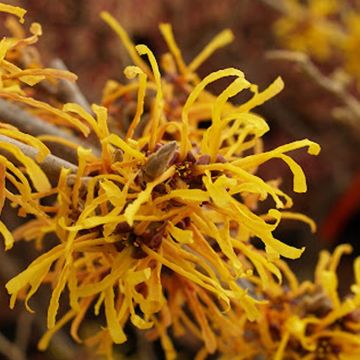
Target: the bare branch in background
(51, 165)
(350, 112)
(144, 346)
(10, 350)
(70, 91)
(23, 330)
(30, 124)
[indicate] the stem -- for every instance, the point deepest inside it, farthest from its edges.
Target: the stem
(10, 350)
(23, 330)
(351, 103)
(30, 124)
(51, 165)
(69, 91)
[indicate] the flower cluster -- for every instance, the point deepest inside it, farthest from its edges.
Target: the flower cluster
(297, 320)
(310, 320)
(327, 30)
(153, 222)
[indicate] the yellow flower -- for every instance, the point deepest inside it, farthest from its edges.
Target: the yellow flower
(306, 27)
(308, 320)
(165, 204)
(326, 30)
(350, 45)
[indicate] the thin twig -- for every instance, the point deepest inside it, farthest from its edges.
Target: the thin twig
(70, 91)
(10, 350)
(23, 330)
(31, 124)
(145, 349)
(51, 165)
(28, 123)
(351, 103)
